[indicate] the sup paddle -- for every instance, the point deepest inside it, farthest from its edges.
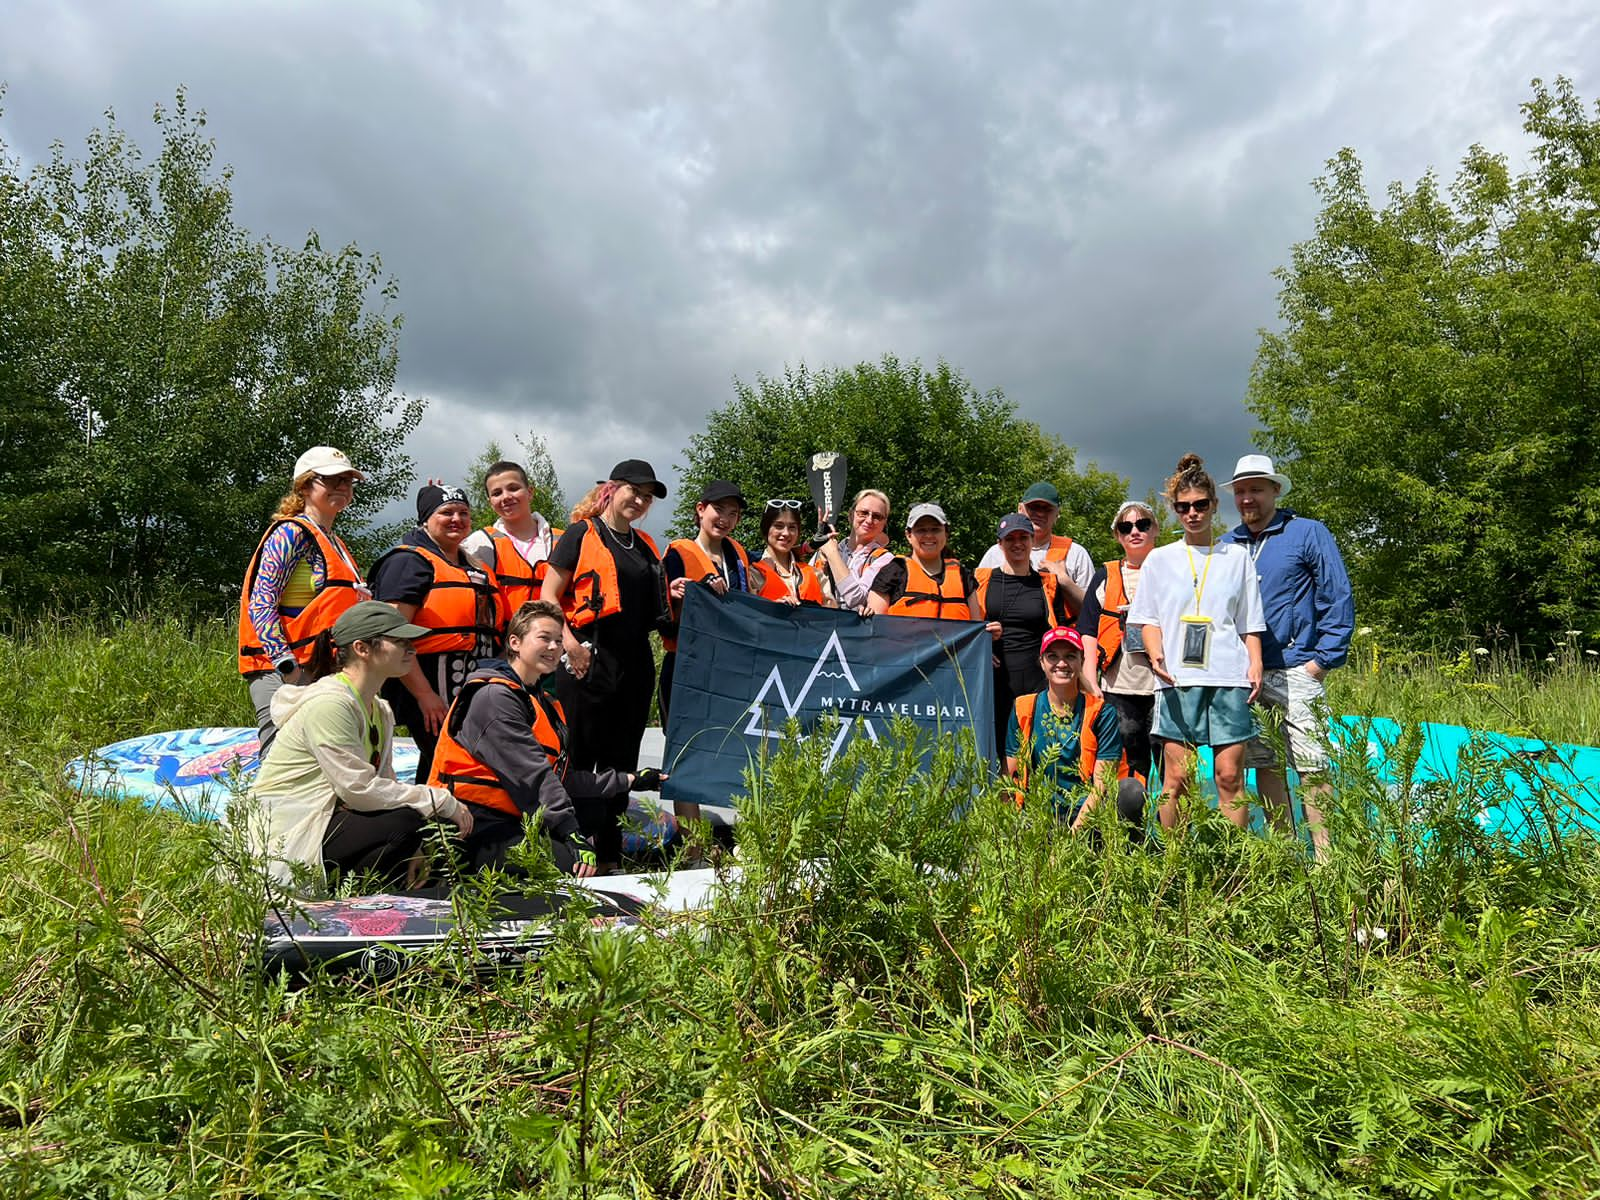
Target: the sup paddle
(826, 474)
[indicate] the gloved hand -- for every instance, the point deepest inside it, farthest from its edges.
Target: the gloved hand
(647, 781)
(824, 532)
(583, 852)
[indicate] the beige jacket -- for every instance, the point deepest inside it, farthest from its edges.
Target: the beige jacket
(319, 759)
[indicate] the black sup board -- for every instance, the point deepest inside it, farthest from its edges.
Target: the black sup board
(379, 936)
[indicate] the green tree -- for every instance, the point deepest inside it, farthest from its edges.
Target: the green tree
(534, 457)
(160, 371)
(1434, 383)
(916, 434)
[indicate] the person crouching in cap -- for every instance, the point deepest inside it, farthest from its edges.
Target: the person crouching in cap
(925, 583)
(1067, 742)
(326, 799)
(1021, 605)
(503, 753)
(301, 577)
(435, 583)
(605, 573)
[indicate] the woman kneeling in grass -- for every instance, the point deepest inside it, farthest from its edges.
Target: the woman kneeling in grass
(503, 753)
(1074, 739)
(326, 797)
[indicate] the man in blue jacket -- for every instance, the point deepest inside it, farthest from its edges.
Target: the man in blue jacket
(1310, 616)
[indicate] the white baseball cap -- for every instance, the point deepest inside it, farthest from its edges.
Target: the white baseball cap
(325, 460)
(926, 510)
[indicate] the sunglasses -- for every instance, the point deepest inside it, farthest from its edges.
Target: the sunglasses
(784, 503)
(876, 518)
(1143, 525)
(336, 481)
(1182, 506)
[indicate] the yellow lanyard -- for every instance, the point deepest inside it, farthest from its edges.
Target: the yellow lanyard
(374, 735)
(1198, 579)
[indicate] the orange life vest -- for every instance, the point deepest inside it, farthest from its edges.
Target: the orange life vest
(928, 597)
(1047, 580)
(458, 609)
(698, 567)
(470, 780)
(1059, 546)
(594, 594)
(810, 586)
(1088, 743)
(520, 581)
(341, 588)
(1113, 612)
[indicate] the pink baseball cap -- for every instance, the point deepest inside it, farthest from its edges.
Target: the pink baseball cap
(1062, 633)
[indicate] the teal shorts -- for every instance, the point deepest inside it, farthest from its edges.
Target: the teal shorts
(1204, 716)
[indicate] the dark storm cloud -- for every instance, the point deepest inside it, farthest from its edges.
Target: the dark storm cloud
(615, 209)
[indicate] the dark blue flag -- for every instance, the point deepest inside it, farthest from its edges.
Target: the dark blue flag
(747, 665)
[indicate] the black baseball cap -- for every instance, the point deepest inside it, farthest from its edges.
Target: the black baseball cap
(639, 473)
(721, 489)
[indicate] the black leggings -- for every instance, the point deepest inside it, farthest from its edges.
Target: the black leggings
(1135, 718)
(383, 842)
(496, 833)
(604, 731)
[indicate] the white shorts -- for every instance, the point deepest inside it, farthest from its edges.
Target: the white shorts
(1300, 701)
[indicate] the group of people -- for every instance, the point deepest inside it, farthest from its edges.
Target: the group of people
(519, 656)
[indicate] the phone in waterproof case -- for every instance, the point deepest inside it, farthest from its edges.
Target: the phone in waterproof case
(1196, 651)
(1132, 635)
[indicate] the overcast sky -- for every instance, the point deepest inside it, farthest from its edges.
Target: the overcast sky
(600, 214)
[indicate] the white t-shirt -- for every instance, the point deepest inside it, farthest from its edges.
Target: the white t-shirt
(535, 550)
(1229, 594)
(1079, 562)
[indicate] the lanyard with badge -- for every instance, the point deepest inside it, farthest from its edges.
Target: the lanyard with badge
(1196, 625)
(373, 733)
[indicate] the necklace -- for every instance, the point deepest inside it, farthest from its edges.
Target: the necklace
(626, 545)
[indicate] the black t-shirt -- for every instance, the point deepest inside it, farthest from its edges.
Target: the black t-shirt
(401, 578)
(890, 582)
(638, 583)
(1017, 602)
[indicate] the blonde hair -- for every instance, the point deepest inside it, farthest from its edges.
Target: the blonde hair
(1191, 476)
(864, 493)
(294, 500)
(595, 500)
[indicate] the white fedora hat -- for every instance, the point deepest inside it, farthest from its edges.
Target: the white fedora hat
(1258, 466)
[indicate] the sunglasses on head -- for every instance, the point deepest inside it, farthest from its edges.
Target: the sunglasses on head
(1182, 506)
(1143, 525)
(783, 503)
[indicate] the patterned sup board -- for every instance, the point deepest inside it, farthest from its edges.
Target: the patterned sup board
(196, 772)
(379, 936)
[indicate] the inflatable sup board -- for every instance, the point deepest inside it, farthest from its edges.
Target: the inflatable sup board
(197, 772)
(379, 936)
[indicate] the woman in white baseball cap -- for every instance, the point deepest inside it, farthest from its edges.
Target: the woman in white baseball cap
(925, 583)
(301, 578)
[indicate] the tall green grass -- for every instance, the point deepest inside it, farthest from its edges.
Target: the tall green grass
(891, 1002)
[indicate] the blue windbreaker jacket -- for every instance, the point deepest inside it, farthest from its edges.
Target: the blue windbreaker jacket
(1305, 590)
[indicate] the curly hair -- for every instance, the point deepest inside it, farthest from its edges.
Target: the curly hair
(1191, 476)
(294, 501)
